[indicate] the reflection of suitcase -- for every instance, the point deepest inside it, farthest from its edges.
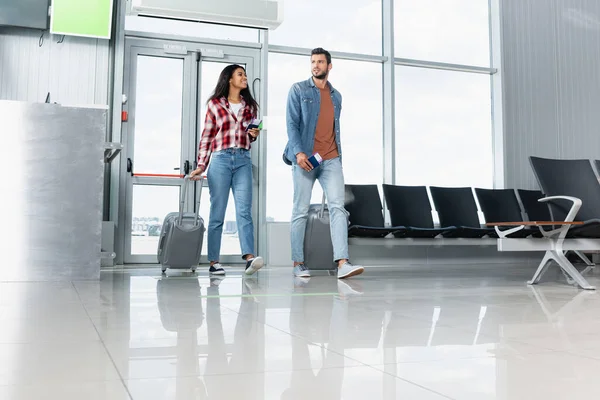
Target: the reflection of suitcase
(173, 315)
(181, 236)
(318, 249)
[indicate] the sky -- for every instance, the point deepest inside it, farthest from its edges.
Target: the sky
(443, 118)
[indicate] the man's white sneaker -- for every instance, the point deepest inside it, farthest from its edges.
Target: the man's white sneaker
(301, 271)
(347, 270)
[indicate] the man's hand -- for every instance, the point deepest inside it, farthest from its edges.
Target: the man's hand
(196, 174)
(302, 161)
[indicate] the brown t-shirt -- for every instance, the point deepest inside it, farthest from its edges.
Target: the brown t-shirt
(325, 143)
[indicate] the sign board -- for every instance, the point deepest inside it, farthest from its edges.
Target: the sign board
(87, 18)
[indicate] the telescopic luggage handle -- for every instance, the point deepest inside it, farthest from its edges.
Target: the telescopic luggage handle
(187, 181)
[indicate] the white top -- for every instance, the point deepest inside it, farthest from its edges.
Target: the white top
(236, 108)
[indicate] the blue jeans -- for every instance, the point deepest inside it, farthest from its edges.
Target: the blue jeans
(230, 169)
(331, 178)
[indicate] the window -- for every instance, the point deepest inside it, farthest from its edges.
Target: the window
(443, 128)
(452, 31)
(361, 125)
(343, 25)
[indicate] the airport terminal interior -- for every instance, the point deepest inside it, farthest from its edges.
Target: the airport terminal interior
(471, 159)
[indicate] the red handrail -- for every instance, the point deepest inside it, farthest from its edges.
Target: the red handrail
(164, 176)
(160, 175)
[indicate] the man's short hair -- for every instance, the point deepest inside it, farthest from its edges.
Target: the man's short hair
(320, 50)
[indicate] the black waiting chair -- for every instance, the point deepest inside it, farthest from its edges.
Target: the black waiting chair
(534, 209)
(363, 203)
(457, 207)
(410, 208)
(574, 178)
(501, 205)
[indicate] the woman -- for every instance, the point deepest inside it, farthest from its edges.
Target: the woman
(231, 109)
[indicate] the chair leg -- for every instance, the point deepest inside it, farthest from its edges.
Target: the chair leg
(583, 257)
(566, 266)
(541, 269)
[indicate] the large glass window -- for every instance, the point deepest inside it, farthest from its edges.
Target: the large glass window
(341, 25)
(361, 125)
(452, 31)
(443, 128)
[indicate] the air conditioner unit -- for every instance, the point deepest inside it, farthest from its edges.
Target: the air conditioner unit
(266, 14)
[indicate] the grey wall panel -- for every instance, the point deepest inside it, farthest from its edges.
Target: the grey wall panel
(551, 79)
(25, 13)
(74, 72)
(578, 58)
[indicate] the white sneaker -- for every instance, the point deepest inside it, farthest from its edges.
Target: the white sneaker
(253, 265)
(216, 269)
(301, 271)
(347, 270)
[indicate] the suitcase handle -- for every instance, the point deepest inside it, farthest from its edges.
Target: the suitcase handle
(188, 182)
(322, 212)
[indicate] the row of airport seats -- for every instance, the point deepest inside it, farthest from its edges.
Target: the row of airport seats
(411, 210)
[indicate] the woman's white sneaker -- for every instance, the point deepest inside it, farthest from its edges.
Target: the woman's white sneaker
(253, 265)
(216, 269)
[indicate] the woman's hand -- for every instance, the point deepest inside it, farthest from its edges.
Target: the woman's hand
(196, 174)
(254, 132)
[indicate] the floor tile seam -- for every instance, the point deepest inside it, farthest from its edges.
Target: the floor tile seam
(110, 357)
(60, 383)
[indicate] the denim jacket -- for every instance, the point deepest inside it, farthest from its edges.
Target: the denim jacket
(303, 106)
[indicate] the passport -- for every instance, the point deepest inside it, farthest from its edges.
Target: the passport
(315, 160)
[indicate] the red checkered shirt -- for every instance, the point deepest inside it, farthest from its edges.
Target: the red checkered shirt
(223, 129)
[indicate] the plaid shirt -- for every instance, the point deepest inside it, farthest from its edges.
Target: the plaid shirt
(223, 129)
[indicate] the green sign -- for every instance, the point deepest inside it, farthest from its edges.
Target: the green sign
(89, 18)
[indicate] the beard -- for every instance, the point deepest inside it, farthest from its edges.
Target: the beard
(322, 75)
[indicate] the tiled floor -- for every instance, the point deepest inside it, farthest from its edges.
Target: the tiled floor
(413, 333)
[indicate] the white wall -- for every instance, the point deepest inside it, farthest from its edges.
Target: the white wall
(74, 72)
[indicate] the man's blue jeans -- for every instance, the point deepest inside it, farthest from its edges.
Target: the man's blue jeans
(331, 178)
(230, 169)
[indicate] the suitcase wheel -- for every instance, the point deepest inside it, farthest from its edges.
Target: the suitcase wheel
(194, 269)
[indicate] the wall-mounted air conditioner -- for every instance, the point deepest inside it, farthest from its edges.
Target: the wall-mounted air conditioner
(266, 14)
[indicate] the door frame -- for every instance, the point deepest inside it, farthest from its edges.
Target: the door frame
(206, 51)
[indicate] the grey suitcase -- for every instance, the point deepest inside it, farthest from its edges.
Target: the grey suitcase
(181, 236)
(318, 249)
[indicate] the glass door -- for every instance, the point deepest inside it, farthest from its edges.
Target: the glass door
(167, 85)
(230, 244)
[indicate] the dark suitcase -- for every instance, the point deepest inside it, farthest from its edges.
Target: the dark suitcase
(181, 236)
(318, 249)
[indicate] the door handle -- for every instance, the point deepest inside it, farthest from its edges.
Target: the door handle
(186, 167)
(130, 166)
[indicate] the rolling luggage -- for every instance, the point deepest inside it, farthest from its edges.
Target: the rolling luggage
(181, 236)
(318, 249)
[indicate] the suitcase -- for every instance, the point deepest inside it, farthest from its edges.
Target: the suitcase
(181, 236)
(318, 249)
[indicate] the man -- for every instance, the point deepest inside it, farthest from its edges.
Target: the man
(313, 115)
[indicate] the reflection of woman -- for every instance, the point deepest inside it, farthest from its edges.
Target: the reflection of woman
(231, 109)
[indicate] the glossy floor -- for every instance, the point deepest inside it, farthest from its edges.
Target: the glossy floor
(476, 332)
